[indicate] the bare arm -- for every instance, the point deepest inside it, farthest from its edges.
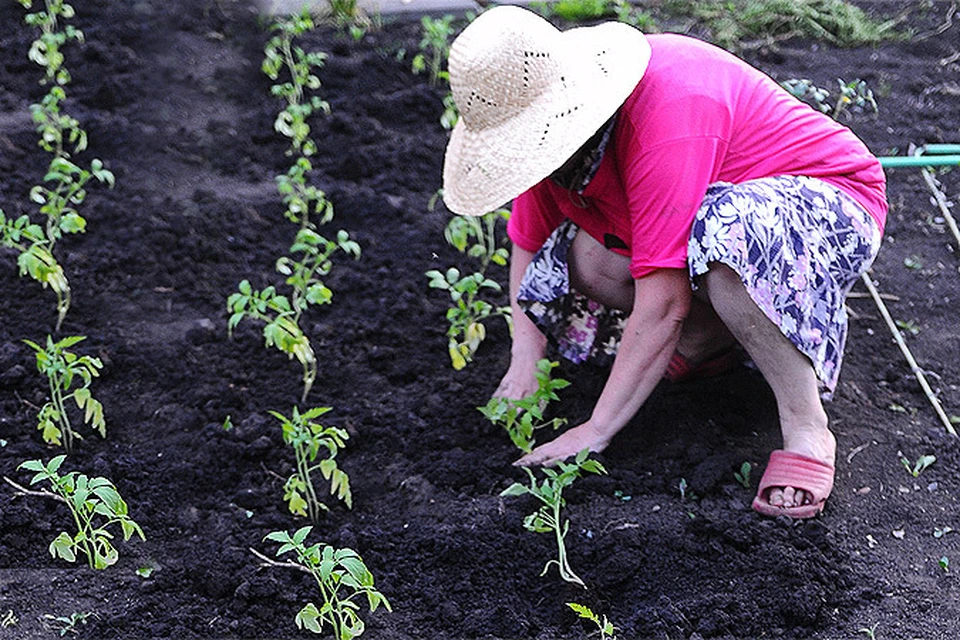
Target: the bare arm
(529, 345)
(661, 302)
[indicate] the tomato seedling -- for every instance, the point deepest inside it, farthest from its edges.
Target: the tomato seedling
(63, 369)
(95, 506)
(548, 518)
(604, 627)
(342, 578)
(918, 467)
(308, 438)
(475, 237)
(521, 418)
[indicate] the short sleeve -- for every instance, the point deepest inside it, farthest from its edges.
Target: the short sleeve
(534, 216)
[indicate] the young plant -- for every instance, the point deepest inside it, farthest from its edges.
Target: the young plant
(308, 263)
(342, 578)
(604, 627)
(68, 624)
(434, 48)
(916, 468)
(346, 15)
(852, 97)
(64, 184)
(95, 505)
(870, 632)
(308, 438)
(69, 377)
(282, 54)
(548, 518)
(521, 418)
(743, 475)
(476, 237)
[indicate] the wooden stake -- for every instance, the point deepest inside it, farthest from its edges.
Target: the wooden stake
(917, 371)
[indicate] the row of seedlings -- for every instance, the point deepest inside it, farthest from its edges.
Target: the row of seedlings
(341, 576)
(96, 507)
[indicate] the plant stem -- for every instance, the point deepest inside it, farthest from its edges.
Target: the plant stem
(267, 561)
(565, 571)
(32, 492)
(303, 469)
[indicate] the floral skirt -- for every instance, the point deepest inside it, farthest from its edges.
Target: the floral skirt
(798, 244)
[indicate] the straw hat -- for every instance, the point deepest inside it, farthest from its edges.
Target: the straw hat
(529, 96)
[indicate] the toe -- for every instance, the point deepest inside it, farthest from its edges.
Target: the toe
(775, 497)
(789, 497)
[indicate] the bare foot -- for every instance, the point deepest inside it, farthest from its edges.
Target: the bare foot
(815, 442)
(565, 446)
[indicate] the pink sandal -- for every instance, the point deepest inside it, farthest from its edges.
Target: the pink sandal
(786, 469)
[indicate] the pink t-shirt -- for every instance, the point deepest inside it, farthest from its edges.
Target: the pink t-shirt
(700, 115)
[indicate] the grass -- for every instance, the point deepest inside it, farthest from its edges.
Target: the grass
(731, 23)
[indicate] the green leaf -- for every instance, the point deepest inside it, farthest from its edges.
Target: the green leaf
(63, 547)
(516, 489)
(309, 618)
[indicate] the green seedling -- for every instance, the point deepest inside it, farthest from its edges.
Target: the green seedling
(434, 51)
(944, 563)
(548, 518)
(95, 505)
(522, 418)
(434, 48)
(743, 475)
(342, 578)
(281, 314)
(282, 53)
(908, 326)
(852, 97)
(476, 237)
(308, 438)
(913, 263)
(604, 627)
(916, 468)
(346, 15)
(870, 632)
(68, 624)
(69, 377)
(64, 184)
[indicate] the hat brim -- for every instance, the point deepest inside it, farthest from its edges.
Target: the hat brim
(485, 169)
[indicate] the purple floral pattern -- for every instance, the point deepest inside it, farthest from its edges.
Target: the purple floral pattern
(799, 245)
(581, 329)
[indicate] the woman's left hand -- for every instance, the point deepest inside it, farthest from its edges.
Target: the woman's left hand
(567, 445)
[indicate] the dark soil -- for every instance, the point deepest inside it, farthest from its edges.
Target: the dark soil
(175, 104)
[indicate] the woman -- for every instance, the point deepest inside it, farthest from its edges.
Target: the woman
(672, 204)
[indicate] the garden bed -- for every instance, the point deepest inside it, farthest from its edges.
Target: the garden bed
(174, 102)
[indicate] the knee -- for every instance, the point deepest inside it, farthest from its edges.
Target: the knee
(600, 273)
